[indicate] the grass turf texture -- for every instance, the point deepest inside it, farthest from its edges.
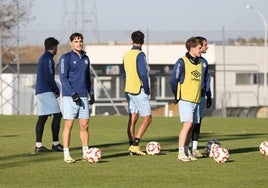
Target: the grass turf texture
(241, 136)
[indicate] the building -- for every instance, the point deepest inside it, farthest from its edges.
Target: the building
(237, 79)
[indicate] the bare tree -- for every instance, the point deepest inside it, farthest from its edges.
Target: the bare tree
(13, 14)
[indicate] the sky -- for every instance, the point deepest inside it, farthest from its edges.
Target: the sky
(162, 20)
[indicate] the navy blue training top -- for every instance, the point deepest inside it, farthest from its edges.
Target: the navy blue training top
(74, 71)
(45, 79)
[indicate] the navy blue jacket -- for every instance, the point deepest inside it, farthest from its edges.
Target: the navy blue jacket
(74, 74)
(45, 79)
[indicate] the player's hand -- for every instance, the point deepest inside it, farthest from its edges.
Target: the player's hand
(147, 91)
(76, 99)
(92, 100)
(209, 102)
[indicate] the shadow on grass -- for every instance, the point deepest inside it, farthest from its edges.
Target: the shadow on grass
(244, 150)
(12, 135)
(225, 137)
(11, 161)
(115, 149)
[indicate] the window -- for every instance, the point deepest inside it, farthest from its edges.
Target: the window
(249, 78)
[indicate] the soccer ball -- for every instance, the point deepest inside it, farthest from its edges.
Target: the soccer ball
(264, 147)
(153, 148)
(214, 148)
(221, 155)
(208, 146)
(93, 155)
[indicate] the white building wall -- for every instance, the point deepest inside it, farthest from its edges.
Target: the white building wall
(156, 53)
(238, 59)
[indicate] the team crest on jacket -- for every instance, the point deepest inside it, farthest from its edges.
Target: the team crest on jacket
(86, 61)
(204, 65)
(74, 62)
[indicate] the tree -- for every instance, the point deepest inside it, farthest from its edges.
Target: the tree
(13, 13)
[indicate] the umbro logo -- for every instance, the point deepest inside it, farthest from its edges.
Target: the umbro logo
(195, 73)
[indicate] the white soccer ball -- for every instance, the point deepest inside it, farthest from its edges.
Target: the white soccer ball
(93, 155)
(153, 148)
(214, 148)
(208, 146)
(264, 147)
(221, 155)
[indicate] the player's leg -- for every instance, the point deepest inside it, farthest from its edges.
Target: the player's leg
(84, 124)
(142, 129)
(195, 138)
(182, 141)
(197, 127)
(45, 107)
(142, 103)
(69, 114)
(66, 136)
(39, 129)
(55, 129)
(84, 135)
(132, 120)
(186, 117)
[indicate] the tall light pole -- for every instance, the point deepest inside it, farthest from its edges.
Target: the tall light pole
(265, 48)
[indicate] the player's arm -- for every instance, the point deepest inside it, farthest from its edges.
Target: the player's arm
(64, 68)
(177, 76)
(90, 88)
(208, 92)
(143, 72)
(123, 72)
(49, 72)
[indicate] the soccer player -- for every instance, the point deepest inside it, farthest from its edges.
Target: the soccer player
(205, 101)
(74, 71)
(186, 82)
(47, 91)
(137, 90)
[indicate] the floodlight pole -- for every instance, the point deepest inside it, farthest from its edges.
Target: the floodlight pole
(265, 49)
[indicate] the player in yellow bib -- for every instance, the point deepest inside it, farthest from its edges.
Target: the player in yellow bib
(186, 80)
(137, 90)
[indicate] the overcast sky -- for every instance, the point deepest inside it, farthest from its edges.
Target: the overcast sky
(104, 20)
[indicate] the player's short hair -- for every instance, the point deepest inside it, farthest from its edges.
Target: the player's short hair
(201, 38)
(137, 37)
(192, 43)
(50, 43)
(76, 35)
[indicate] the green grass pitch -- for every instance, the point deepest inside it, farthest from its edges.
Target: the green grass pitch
(241, 136)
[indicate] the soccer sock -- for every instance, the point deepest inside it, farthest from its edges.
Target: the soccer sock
(194, 145)
(38, 144)
(181, 150)
(55, 143)
(66, 152)
(84, 149)
(136, 141)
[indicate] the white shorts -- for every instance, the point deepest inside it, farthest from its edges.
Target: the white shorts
(189, 112)
(47, 104)
(139, 103)
(72, 110)
(131, 106)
